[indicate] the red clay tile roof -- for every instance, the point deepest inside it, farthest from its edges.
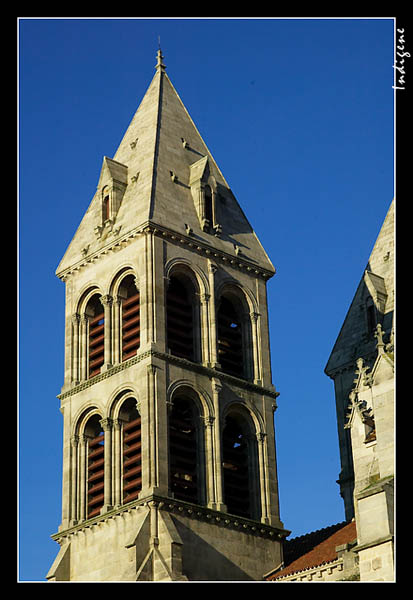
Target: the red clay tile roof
(323, 552)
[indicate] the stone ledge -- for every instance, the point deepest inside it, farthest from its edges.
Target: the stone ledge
(209, 371)
(378, 542)
(375, 487)
(186, 509)
(181, 239)
(108, 373)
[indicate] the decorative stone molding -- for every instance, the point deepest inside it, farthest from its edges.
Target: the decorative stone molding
(196, 367)
(97, 378)
(217, 230)
(185, 509)
(233, 261)
(104, 231)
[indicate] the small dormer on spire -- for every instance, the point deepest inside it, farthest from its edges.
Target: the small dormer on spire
(204, 192)
(113, 182)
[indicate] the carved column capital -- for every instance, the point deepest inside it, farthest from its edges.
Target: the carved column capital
(74, 441)
(261, 437)
(106, 424)
(117, 423)
(208, 421)
(216, 385)
(106, 300)
(151, 369)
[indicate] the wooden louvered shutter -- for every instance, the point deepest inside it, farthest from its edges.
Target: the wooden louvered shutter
(132, 468)
(183, 453)
(96, 344)
(230, 353)
(179, 321)
(95, 479)
(130, 326)
(235, 463)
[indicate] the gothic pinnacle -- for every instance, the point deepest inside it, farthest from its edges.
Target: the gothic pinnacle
(159, 64)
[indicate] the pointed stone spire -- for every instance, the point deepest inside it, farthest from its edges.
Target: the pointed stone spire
(160, 179)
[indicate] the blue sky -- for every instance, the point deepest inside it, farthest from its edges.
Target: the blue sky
(298, 114)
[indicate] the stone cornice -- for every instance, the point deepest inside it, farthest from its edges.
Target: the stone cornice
(350, 365)
(232, 260)
(185, 509)
(208, 371)
(373, 543)
(375, 488)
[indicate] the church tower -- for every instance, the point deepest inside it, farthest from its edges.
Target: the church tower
(372, 306)
(169, 465)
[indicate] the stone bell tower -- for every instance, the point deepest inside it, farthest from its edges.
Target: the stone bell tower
(169, 466)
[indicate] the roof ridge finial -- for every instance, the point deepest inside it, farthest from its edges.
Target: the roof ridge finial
(159, 56)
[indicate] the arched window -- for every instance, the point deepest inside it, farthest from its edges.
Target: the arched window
(180, 317)
(371, 315)
(95, 466)
(131, 451)
(95, 313)
(130, 317)
(239, 467)
(208, 206)
(106, 208)
(230, 339)
(184, 460)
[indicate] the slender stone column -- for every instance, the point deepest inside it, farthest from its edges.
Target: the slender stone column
(83, 445)
(209, 461)
(107, 428)
(153, 427)
(75, 349)
(149, 303)
(212, 269)
(256, 348)
(107, 306)
(219, 489)
(84, 350)
(204, 329)
(74, 443)
(117, 331)
(263, 477)
(117, 459)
